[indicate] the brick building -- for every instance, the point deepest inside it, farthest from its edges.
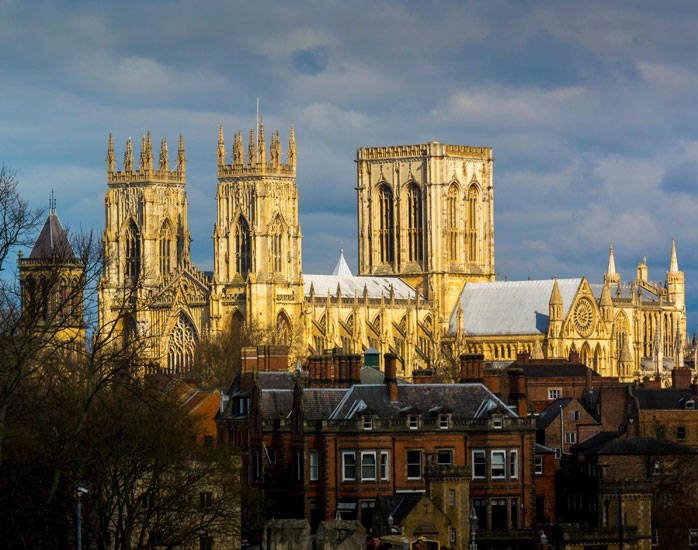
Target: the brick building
(336, 449)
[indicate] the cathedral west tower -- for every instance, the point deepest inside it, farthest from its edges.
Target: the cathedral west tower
(425, 214)
(257, 236)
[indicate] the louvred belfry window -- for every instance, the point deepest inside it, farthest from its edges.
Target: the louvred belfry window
(243, 247)
(414, 225)
(133, 252)
(386, 236)
(472, 223)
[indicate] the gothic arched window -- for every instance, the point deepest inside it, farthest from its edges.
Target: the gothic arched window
(180, 346)
(133, 252)
(385, 198)
(452, 222)
(277, 233)
(243, 247)
(472, 223)
(166, 248)
(414, 223)
(283, 329)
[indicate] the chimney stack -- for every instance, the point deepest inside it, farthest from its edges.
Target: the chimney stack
(681, 378)
(391, 375)
(517, 391)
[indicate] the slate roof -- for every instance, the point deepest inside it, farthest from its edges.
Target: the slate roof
(276, 403)
(461, 400)
(350, 285)
(318, 403)
(662, 399)
(606, 444)
(275, 380)
(560, 369)
(400, 505)
(510, 307)
(52, 240)
(551, 412)
(371, 375)
(597, 288)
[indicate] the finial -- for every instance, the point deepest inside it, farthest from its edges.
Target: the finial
(292, 148)
(141, 162)
(221, 146)
(128, 156)
(111, 159)
(181, 159)
(148, 153)
(164, 155)
(52, 203)
(261, 145)
(251, 152)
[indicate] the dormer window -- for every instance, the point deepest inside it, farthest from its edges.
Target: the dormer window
(443, 422)
(413, 421)
(497, 422)
(368, 422)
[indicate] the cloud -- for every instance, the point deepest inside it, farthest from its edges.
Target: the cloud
(682, 178)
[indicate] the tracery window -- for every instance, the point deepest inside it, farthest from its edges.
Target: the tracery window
(452, 222)
(133, 252)
(386, 236)
(621, 329)
(180, 346)
(414, 225)
(243, 247)
(283, 329)
(472, 223)
(166, 248)
(276, 246)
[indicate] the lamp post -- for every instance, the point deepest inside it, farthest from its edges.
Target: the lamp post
(81, 491)
(473, 529)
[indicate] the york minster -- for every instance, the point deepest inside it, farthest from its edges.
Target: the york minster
(426, 276)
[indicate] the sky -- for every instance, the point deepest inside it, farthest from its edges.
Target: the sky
(589, 106)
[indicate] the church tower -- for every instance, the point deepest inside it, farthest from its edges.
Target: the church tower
(426, 214)
(257, 236)
(146, 237)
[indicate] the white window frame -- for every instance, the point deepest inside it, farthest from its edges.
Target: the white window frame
(498, 452)
(497, 422)
(413, 422)
(375, 466)
(554, 393)
(368, 422)
(345, 454)
(313, 466)
(444, 422)
(570, 438)
(692, 537)
(452, 534)
(483, 454)
(385, 466)
(558, 452)
(539, 465)
(655, 537)
(421, 462)
(513, 464)
(449, 451)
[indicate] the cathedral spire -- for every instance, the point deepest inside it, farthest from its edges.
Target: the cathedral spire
(555, 296)
(111, 159)
(141, 160)
(611, 276)
(221, 146)
(292, 149)
(181, 159)
(164, 161)
(674, 266)
(128, 156)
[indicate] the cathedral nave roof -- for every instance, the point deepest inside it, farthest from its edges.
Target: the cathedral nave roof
(375, 286)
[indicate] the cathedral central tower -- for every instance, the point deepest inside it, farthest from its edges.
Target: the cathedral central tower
(426, 215)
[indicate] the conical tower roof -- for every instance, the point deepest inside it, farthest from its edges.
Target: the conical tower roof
(626, 354)
(555, 296)
(342, 268)
(674, 266)
(52, 241)
(606, 295)
(611, 270)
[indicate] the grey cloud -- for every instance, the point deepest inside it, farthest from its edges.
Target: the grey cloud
(682, 178)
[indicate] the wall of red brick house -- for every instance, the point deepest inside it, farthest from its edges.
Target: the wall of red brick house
(669, 421)
(545, 490)
(585, 427)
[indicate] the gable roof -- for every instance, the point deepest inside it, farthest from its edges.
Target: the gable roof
(662, 398)
(276, 403)
(318, 403)
(510, 307)
(351, 285)
(461, 400)
(551, 412)
(53, 240)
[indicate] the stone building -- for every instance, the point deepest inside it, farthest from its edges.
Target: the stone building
(426, 266)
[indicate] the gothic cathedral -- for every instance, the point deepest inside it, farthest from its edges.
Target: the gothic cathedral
(426, 263)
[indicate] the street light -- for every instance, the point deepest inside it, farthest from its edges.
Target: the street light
(473, 529)
(81, 491)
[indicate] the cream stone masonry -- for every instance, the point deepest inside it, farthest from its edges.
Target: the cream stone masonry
(425, 214)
